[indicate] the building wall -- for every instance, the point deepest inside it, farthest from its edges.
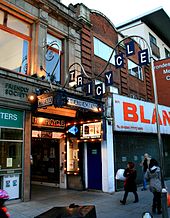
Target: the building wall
(141, 29)
(45, 17)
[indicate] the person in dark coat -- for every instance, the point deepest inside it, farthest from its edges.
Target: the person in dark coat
(130, 182)
(153, 174)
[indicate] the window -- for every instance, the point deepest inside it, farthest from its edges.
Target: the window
(167, 53)
(152, 39)
(154, 47)
(103, 51)
(53, 59)
(11, 141)
(135, 70)
(14, 43)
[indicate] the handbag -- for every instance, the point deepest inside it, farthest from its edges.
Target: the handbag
(168, 199)
(119, 175)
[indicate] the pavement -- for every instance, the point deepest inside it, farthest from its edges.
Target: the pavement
(106, 205)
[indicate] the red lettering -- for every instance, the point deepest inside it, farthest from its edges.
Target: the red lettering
(129, 112)
(154, 118)
(166, 117)
(143, 120)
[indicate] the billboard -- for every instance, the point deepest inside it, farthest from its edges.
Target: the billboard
(162, 75)
(133, 115)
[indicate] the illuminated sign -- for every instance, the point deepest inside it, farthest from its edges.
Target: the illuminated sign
(90, 130)
(46, 101)
(83, 104)
(45, 122)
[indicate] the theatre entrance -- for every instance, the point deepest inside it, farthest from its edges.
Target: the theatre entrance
(45, 167)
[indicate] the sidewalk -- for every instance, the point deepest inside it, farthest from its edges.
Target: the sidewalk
(107, 205)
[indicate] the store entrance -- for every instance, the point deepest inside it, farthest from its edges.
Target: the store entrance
(45, 154)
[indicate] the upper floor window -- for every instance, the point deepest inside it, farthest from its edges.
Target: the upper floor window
(154, 47)
(53, 58)
(167, 53)
(14, 43)
(152, 39)
(135, 70)
(102, 50)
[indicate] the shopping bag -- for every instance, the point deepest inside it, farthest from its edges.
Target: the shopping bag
(119, 175)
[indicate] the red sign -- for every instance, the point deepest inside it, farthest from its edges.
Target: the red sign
(162, 74)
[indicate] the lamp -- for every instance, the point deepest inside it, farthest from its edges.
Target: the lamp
(32, 98)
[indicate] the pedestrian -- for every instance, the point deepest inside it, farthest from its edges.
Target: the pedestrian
(153, 174)
(145, 164)
(130, 182)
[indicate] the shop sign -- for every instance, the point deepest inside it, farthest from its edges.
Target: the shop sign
(143, 59)
(11, 118)
(45, 122)
(16, 90)
(138, 116)
(83, 104)
(46, 101)
(163, 67)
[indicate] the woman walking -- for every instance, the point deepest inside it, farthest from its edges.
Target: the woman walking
(153, 174)
(130, 182)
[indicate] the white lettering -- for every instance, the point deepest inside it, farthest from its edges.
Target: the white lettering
(143, 57)
(80, 81)
(119, 60)
(167, 77)
(98, 90)
(108, 77)
(128, 50)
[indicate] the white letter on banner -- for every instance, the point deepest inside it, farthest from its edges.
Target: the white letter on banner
(72, 75)
(79, 81)
(117, 61)
(98, 90)
(143, 57)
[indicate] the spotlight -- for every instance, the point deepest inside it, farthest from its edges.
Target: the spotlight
(32, 98)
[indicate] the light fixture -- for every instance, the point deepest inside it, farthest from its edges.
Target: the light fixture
(32, 98)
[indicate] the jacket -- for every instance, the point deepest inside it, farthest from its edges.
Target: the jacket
(130, 181)
(153, 175)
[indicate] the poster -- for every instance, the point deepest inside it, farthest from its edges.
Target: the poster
(11, 185)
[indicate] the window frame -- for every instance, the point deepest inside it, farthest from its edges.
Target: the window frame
(98, 53)
(139, 75)
(57, 51)
(11, 31)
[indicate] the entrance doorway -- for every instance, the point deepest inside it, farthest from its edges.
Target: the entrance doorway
(94, 166)
(45, 154)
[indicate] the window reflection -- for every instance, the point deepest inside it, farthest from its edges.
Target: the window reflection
(11, 134)
(16, 49)
(10, 155)
(53, 58)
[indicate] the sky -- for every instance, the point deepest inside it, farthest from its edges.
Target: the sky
(119, 11)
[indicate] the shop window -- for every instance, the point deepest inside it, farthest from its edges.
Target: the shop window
(135, 70)
(102, 50)
(10, 148)
(53, 59)
(14, 42)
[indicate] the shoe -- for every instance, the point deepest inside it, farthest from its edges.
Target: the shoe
(136, 201)
(122, 202)
(159, 212)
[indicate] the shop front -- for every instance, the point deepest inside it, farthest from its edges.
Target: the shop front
(63, 138)
(135, 133)
(11, 146)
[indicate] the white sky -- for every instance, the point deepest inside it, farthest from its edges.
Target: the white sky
(119, 11)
